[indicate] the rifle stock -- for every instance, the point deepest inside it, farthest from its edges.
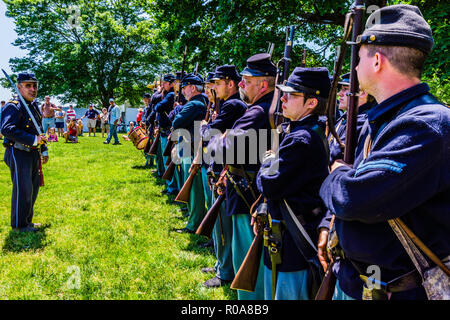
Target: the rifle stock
(247, 275)
(208, 222)
(155, 144)
(168, 174)
(168, 150)
(326, 289)
(183, 195)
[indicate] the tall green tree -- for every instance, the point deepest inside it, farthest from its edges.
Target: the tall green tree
(87, 51)
(229, 31)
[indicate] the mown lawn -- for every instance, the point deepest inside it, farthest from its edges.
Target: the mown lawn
(107, 232)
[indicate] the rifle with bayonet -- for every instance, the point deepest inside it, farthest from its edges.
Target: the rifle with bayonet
(207, 225)
(154, 148)
(271, 47)
(183, 195)
(247, 274)
(303, 64)
(168, 174)
(275, 114)
(182, 73)
(354, 20)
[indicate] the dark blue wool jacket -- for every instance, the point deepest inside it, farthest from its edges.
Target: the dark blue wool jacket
(406, 175)
(296, 174)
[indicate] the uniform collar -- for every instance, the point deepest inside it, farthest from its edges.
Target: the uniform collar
(396, 101)
(308, 121)
(234, 96)
(264, 98)
(365, 107)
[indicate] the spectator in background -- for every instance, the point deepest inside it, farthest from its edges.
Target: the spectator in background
(72, 132)
(92, 116)
(48, 114)
(59, 121)
(127, 136)
(80, 127)
(104, 122)
(139, 116)
(52, 137)
(70, 114)
(114, 117)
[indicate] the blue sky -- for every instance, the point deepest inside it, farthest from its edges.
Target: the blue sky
(7, 50)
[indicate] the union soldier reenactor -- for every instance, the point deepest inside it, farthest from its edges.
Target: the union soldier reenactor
(162, 109)
(400, 180)
(24, 147)
(290, 180)
(226, 87)
(194, 110)
(256, 90)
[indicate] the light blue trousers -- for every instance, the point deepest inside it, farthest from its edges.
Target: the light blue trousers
(222, 228)
(290, 285)
(242, 239)
(339, 294)
(172, 184)
(196, 204)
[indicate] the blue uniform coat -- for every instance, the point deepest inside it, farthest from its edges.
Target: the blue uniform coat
(406, 175)
(296, 174)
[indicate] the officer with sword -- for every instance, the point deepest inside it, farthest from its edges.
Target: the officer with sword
(21, 124)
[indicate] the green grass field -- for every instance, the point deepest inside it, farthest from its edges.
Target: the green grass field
(106, 234)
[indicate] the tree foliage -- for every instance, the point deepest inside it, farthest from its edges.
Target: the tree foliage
(111, 52)
(122, 45)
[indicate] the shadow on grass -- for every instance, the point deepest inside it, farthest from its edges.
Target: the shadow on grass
(17, 241)
(143, 167)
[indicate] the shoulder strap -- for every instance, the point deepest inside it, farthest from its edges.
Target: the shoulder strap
(405, 235)
(301, 238)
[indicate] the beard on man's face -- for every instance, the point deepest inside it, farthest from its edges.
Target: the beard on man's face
(244, 96)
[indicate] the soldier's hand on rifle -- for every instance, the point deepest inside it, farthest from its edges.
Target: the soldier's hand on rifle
(214, 116)
(254, 223)
(41, 139)
(322, 251)
(44, 159)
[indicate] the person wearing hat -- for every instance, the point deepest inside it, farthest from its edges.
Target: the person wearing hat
(194, 110)
(92, 116)
(24, 147)
(365, 103)
(162, 110)
(113, 120)
(178, 106)
(225, 81)
(290, 179)
(401, 163)
(256, 89)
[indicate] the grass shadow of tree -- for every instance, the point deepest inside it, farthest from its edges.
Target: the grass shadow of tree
(17, 241)
(141, 167)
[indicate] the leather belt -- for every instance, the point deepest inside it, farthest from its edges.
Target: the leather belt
(239, 171)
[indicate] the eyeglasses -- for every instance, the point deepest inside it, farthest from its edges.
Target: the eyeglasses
(294, 95)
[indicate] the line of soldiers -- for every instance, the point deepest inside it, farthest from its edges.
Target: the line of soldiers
(314, 210)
